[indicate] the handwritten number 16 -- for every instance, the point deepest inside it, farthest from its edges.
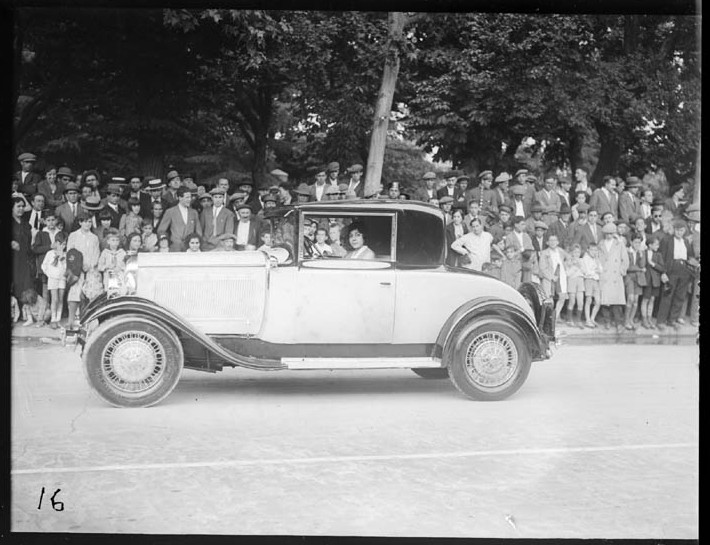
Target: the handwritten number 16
(56, 505)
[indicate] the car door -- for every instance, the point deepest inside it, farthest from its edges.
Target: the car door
(348, 301)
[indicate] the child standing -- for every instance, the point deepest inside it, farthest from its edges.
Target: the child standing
(575, 286)
(553, 274)
(149, 240)
(164, 244)
(652, 290)
(113, 259)
(635, 280)
(527, 266)
(131, 222)
(511, 267)
(54, 266)
(591, 270)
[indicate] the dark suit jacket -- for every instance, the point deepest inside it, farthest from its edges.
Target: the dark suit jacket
(40, 247)
(312, 194)
(603, 204)
(32, 180)
(444, 191)
(422, 194)
(654, 272)
(666, 251)
(634, 269)
(145, 200)
(71, 223)
(212, 230)
(115, 216)
(649, 230)
(254, 231)
(629, 206)
(359, 189)
(584, 237)
(562, 232)
(27, 215)
(51, 199)
(177, 230)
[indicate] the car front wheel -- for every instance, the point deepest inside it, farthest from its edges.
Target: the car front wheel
(130, 361)
(489, 360)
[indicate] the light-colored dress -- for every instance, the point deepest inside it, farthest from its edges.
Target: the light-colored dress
(361, 253)
(54, 266)
(88, 245)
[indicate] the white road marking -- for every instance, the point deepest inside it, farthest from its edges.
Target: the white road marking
(331, 459)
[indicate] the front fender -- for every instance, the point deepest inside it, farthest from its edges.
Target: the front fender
(483, 307)
(102, 308)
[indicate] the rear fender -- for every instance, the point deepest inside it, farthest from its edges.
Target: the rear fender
(103, 308)
(486, 309)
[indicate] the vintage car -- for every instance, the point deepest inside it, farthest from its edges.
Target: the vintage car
(393, 304)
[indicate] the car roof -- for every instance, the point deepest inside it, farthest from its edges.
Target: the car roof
(364, 205)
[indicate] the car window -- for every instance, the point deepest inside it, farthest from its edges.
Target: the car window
(283, 233)
(420, 239)
(364, 237)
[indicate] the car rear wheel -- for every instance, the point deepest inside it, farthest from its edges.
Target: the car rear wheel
(432, 372)
(130, 361)
(489, 360)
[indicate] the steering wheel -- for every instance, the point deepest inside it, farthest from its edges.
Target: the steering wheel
(311, 249)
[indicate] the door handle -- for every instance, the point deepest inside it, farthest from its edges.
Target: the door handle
(385, 283)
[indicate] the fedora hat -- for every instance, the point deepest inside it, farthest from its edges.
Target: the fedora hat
(154, 184)
(92, 204)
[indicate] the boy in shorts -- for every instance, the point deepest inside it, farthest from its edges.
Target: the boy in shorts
(635, 280)
(575, 286)
(652, 290)
(591, 269)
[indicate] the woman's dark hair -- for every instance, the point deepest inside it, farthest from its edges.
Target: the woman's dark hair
(104, 215)
(192, 236)
(61, 236)
(15, 200)
(360, 228)
(459, 211)
(130, 236)
(133, 202)
(48, 168)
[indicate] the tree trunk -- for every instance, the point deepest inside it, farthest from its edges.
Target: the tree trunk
(150, 157)
(576, 157)
(696, 191)
(609, 155)
(258, 168)
(380, 123)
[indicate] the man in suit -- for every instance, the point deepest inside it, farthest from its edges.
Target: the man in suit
(449, 190)
(586, 229)
(70, 211)
(483, 193)
(27, 178)
(581, 174)
(501, 195)
(606, 199)
(135, 190)
(35, 217)
(332, 173)
(678, 257)
(246, 229)
(429, 189)
(653, 222)
(174, 183)
(629, 203)
(316, 192)
(180, 221)
(216, 220)
(559, 227)
(518, 205)
(519, 239)
(564, 186)
(154, 189)
(356, 185)
(536, 211)
(548, 196)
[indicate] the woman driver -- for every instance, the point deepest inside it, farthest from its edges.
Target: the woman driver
(357, 237)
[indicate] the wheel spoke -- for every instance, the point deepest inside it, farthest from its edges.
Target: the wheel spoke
(133, 361)
(491, 359)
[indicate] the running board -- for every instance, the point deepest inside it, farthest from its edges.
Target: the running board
(360, 363)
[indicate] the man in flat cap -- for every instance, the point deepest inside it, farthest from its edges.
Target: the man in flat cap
(629, 203)
(429, 190)
(498, 227)
(446, 204)
(449, 190)
(548, 196)
(317, 190)
(303, 193)
(606, 199)
(355, 184)
(246, 228)
(536, 211)
(483, 194)
(280, 175)
(681, 264)
(501, 191)
(27, 178)
(518, 204)
(70, 211)
(216, 220)
(332, 172)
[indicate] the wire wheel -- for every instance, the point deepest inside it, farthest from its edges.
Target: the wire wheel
(491, 359)
(133, 361)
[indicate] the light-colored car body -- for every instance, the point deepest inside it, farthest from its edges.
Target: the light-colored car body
(302, 310)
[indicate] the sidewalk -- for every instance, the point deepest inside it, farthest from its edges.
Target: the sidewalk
(564, 333)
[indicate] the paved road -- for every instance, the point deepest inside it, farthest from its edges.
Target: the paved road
(602, 441)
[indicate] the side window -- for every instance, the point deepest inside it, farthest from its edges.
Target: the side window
(353, 237)
(420, 240)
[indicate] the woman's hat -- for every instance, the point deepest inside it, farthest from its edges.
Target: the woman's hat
(92, 204)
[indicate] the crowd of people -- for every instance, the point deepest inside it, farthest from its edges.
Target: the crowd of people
(618, 248)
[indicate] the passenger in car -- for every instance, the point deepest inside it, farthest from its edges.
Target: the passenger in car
(357, 239)
(334, 240)
(193, 243)
(227, 242)
(321, 245)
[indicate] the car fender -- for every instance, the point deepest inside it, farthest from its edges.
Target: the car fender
(103, 308)
(485, 309)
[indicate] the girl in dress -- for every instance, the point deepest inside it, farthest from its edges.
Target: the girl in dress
(193, 243)
(132, 221)
(54, 266)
